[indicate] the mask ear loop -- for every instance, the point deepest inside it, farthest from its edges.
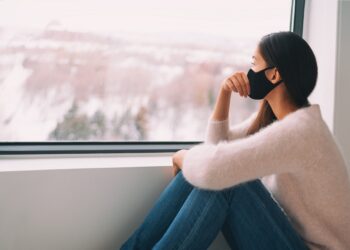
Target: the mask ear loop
(263, 70)
(271, 67)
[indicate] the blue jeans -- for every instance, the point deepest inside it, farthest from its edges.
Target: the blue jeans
(187, 217)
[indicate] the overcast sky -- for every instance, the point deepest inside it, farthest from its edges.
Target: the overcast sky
(232, 18)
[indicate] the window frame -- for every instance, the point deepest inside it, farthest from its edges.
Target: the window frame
(100, 147)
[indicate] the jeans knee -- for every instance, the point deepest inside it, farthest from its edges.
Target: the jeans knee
(235, 190)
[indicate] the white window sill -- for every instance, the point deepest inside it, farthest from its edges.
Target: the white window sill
(83, 161)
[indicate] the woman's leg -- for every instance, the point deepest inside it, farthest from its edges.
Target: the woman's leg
(247, 214)
(197, 223)
(161, 215)
(256, 221)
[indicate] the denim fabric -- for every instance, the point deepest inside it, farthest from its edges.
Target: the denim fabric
(187, 217)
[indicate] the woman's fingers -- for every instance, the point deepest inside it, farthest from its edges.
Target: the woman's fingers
(244, 83)
(231, 85)
(237, 83)
(246, 80)
(240, 83)
(176, 169)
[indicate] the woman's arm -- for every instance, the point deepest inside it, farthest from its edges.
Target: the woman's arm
(217, 131)
(218, 127)
(237, 82)
(277, 148)
(218, 122)
(222, 105)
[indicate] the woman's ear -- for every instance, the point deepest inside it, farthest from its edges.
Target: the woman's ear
(275, 76)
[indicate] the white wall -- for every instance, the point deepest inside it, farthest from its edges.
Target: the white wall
(79, 203)
(327, 31)
(320, 31)
(342, 89)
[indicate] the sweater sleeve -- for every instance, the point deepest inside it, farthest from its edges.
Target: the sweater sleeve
(277, 148)
(217, 131)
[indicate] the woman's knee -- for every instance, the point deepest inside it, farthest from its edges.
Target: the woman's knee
(180, 179)
(241, 189)
(217, 197)
(224, 195)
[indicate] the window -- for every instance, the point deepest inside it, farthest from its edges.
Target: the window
(119, 71)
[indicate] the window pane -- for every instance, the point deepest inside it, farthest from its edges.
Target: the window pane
(124, 70)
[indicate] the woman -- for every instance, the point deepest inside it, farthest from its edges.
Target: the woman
(278, 180)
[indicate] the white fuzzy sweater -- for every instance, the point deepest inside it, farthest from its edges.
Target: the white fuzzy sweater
(299, 161)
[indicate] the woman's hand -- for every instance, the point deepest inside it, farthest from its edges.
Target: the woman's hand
(178, 160)
(238, 82)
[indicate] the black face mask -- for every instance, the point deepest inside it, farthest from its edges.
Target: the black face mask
(260, 86)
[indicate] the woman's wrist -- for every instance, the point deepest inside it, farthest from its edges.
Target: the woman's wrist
(222, 105)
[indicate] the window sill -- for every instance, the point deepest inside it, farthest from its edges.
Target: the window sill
(13, 163)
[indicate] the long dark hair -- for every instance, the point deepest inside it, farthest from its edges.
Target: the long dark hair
(297, 65)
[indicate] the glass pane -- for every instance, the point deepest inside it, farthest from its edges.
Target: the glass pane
(124, 70)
